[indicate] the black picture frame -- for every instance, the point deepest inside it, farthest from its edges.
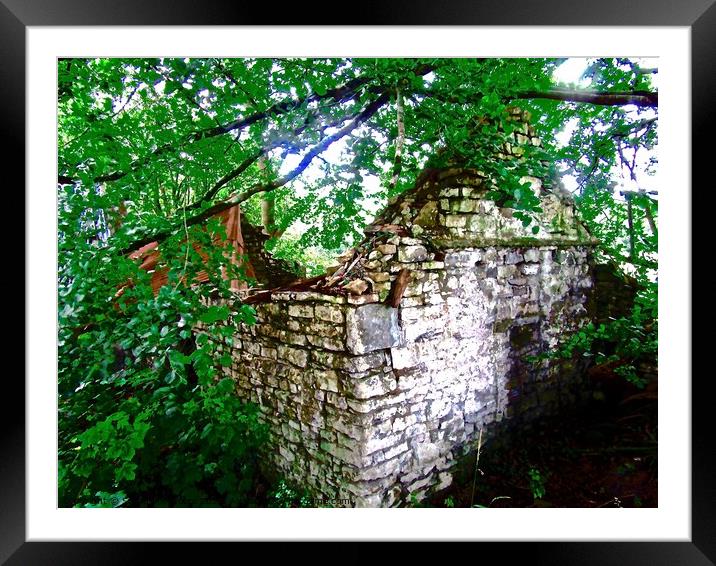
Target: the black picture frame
(699, 15)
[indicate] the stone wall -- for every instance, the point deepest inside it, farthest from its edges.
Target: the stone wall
(267, 270)
(374, 404)
(613, 295)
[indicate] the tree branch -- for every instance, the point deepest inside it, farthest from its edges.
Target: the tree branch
(363, 116)
(398, 163)
(256, 156)
(277, 109)
(641, 98)
(230, 176)
(338, 94)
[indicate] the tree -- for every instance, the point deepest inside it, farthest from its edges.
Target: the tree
(151, 149)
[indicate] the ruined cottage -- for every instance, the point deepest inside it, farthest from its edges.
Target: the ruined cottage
(376, 377)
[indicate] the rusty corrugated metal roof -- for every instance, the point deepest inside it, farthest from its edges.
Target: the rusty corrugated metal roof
(230, 218)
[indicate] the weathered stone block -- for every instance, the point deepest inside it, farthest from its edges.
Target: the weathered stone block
(369, 500)
(325, 342)
(296, 356)
(408, 254)
(376, 444)
(412, 301)
(301, 311)
(504, 271)
(426, 452)
(339, 402)
(456, 220)
(463, 258)
(387, 249)
(268, 353)
(294, 338)
(434, 299)
(362, 299)
(466, 205)
(405, 357)
(327, 380)
(362, 363)
(379, 277)
(373, 264)
(402, 423)
(513, 257)
(401, 448)
(329, 313)
(373, 386)
(483, 225)
(342, 453)
(382, 470)
(372, 327)
(413, 289)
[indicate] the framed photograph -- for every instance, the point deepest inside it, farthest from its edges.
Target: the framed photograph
(51, 49)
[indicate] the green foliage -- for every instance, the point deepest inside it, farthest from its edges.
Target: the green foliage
(414, 501)
(150, 125)
(306, 260)
(105, 499)
(537, 483)
(628, 340)
(607, 218)
(285, 495)
(143, 409)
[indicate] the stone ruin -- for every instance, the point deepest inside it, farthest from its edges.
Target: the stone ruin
(374, 379)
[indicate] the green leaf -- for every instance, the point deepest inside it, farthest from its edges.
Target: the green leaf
(226, 385)
(178, 359)
(214, 314)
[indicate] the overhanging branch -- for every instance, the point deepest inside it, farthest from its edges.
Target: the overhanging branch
(339, 94)
(322, 146)
(641, 98)
(230, 176)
